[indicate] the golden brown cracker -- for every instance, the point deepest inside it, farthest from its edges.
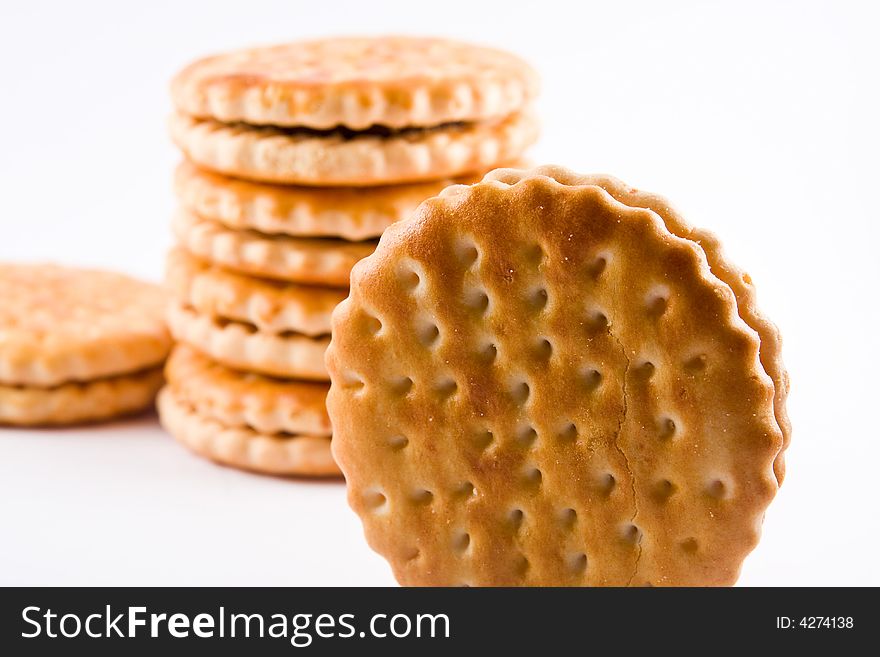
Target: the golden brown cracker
(79, 401)
(244, 399)
(350, 213)
(535, 383)
(296, 259)
(243, 448)
(272, 306)
(61, 324)
(356, 82)
(336, 158)
(244, 347)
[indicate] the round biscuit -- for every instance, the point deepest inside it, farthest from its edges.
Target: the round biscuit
(534, 383)
(242, 346)
(61, 324)
(81, 401)
(334, 158)
(242, 448)
(272, 306)
(356, 82)
(245, 399)
(350, 213)
(306, 260)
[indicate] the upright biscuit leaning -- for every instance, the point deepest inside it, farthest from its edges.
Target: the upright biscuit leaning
(601, 408)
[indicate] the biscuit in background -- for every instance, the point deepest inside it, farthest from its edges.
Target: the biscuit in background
(77, 345)
(355, 111)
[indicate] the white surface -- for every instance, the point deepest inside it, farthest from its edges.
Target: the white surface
(758, 119)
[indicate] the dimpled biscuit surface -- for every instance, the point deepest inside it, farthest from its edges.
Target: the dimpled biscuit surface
(536, 384)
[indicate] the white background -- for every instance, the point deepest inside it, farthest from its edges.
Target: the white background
(758, 119)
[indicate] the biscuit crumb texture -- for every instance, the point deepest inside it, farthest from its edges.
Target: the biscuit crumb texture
(544, 379)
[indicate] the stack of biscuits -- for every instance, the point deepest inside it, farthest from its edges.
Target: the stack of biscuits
(77, 345)
(298, 157)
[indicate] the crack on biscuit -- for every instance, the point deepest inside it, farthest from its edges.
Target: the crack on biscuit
(620, 422)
